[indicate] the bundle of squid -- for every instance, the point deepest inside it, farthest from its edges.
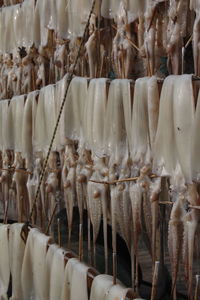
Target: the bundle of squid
(123, 203)
(100, 286)
(170, 159)
(103, 288)
(16, 74)
(71, 129)
(39, 214)
(52, 184)
(74, 44)
(51, 249)
(172, 153)
(92, 48)
(24, 67)
(110, 8)
(74, 271)
(98, 204)
(60, 59)
(83, 174)
(94, 134)
(176, 31)
(16, 255)
(62, 19)
(117, 136)
(43, 73)
(27, 24)
(153, 28)
(7, 157)
(5, 71)
(15, 116)
(71, 123)
(44, 123)
(4, 262)
(117, 290)
(60, 140)
(98, 48)
(34, 266)
(52, 181)
(196, 38)
(33, 164)
(192, 217)
(190, 221)
(57, 274)
(17, 26)
(48, 13)
(144, 193)
(123, 52)
(3, 21)
(29, 71)
(55, 268)
(8, 43)
(40, 36)
(76, 22)
(20, 180)
(6, 180)
(69, 185)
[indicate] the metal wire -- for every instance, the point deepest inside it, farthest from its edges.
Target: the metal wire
(70, 77)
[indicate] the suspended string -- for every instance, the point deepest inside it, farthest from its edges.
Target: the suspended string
(69, 79)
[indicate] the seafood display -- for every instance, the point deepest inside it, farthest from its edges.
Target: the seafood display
(99, 110)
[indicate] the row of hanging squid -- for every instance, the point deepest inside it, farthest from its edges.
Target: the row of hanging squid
(126, 39)
(112, 136)
(42, 270)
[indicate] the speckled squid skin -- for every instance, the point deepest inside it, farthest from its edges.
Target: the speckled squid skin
(51, 184)
(69, 184)
(20, 180)
(4, 263)
(191, 221)
(175, 237)
(6, 178)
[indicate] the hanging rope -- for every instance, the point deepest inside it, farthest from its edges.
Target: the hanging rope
(70, 77)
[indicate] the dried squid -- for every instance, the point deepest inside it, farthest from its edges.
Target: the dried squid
(33, 267)
(75, 271)
(173, 145)
(69, 184)
(101, 286)
(16, 255)
(4, 262)
(57, 272)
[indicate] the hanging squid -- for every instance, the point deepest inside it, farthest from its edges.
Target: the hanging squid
(69, 185)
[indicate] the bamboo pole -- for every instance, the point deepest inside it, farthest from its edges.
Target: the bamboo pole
(51, 219)
(155, 280)
(16, 170)
(59, 232)
(80, 242)
(196, 296)
(121, 180)
(114, 268)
